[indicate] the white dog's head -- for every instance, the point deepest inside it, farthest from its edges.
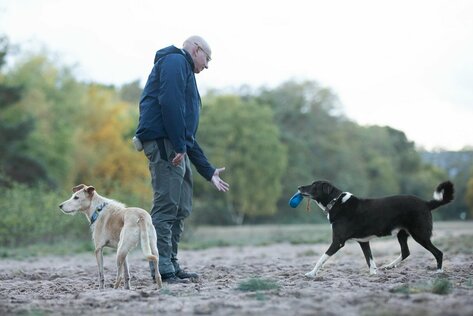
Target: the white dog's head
(80, 200)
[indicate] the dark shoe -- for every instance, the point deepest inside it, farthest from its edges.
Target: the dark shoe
(171, 278)
(181, 274)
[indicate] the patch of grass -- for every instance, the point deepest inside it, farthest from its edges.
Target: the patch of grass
(469, 283)
(204, 244)
(32, 312)
(456, 244)
(440, 286)
(308, 253)
(377, 310)
(260, 296)
(403, 289)
(166, 291)
(258, 284)
(194, 238)
(204, 237)
(40, 249)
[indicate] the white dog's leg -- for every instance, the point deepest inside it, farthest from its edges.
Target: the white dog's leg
(129, 237)
(155, 252)
(120, 266)
(319, 264)
(99, 257)
(127, 274)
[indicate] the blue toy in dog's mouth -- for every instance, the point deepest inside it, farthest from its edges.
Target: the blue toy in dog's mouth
(296, 200)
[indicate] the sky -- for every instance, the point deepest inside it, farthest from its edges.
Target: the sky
(404, 64)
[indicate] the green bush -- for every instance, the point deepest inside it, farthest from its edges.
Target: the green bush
(32, 215)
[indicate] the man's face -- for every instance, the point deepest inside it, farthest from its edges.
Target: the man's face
(201, 58)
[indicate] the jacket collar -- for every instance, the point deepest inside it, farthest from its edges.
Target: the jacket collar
(173, 50)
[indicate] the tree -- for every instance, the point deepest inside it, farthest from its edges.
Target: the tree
(457, 167)
(469, 194)
(131, 92)
(15, 164)
(242, 136)
(314, 132)
(104, 155)
(323, 144)
(50, 101)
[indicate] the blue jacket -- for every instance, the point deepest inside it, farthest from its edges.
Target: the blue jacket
(170, 106)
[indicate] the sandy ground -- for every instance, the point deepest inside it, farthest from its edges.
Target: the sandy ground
(68, 285)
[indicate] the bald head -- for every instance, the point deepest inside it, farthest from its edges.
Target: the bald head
(195, 40)
(200, 51)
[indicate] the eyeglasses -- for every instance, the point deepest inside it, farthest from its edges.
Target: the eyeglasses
(206, 54)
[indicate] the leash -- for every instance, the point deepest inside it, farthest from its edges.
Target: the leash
(96, 213)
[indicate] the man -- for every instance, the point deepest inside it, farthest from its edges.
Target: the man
(169, 116)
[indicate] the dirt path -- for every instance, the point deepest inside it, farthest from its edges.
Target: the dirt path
(68, 285)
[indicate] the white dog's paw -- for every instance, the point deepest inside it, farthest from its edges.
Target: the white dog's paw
(310, 275)
(373, 271)
(439, 271)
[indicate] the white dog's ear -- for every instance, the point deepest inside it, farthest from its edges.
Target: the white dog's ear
(90, 190)
(78, 188)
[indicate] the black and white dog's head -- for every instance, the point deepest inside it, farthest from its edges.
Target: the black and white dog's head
(322, 192)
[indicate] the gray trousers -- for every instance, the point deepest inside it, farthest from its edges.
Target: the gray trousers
(172, 201)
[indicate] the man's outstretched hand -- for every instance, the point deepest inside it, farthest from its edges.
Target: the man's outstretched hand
(219, 183)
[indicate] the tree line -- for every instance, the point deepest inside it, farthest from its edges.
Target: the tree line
(57, 131)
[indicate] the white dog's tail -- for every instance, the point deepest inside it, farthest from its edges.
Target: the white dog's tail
(144, 237)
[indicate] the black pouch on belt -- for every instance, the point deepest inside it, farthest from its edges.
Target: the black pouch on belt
(162, 150)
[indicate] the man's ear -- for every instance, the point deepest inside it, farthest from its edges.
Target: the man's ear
(78, 188)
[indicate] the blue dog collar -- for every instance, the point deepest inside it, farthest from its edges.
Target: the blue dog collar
(97, 211)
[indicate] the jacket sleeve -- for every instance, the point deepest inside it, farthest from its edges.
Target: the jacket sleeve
(173, 73)
(198, 159)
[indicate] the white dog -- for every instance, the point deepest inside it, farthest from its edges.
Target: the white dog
(114, 225)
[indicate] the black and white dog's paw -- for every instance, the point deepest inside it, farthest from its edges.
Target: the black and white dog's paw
(389, 266)
(311, 274)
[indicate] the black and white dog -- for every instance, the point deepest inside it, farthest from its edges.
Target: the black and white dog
(363, 219)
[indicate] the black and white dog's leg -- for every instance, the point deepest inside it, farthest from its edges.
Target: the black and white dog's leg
(427, 244)
(334, 247)
(402, 238)
(365, 246)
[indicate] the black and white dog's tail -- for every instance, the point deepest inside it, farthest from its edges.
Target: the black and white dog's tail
(442, 195)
